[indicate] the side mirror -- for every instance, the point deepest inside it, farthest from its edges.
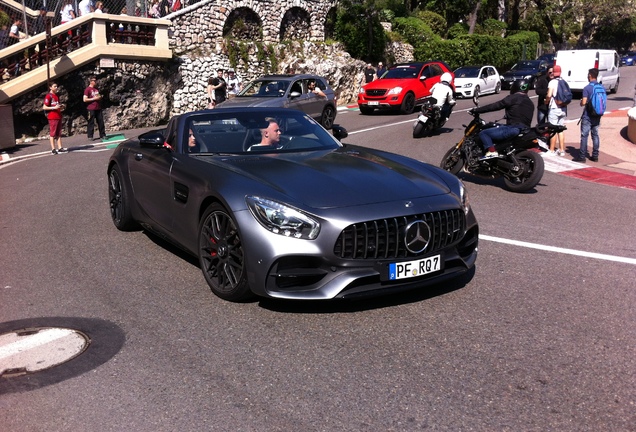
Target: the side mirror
(339, 132)
(294, 94)
(153, 139)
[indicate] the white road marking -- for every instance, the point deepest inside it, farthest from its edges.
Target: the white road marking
(557, 164)
(14, 346)
(559, 250)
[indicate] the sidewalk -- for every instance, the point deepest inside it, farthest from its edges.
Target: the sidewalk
(616, 164)
(617, 152)
(31, 148)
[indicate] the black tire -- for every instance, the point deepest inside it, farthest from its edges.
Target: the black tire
(452, 161)
(364, 110)
(498, 88)
(615, 89)
(532, 166)
(328, 117)
(221, 255)
(419, 130)
(408, 104)
(119, 200)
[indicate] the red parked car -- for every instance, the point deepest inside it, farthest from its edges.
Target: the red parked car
(403, 87)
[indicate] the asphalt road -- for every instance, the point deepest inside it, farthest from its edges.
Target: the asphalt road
(540, 339)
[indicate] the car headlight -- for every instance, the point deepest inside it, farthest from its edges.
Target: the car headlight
(361, 90)
(463, 195)
(282, 219)
(469, 85)
(395, 90)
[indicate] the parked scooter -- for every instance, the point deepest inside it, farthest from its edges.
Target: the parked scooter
(518, 163)
(430, 118)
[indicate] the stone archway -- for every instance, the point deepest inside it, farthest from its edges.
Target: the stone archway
(243, 24)
(330, 23)
(295, 25)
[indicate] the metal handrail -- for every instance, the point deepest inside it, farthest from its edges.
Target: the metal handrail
(37, 59)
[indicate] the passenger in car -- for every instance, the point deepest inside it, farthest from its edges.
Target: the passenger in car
(311, 88)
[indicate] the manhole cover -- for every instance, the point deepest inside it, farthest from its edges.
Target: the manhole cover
(35, 349)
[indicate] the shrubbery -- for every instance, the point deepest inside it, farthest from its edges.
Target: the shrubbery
(465, 49)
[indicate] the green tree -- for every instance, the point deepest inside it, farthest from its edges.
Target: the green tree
(358, 28)
(434, 21)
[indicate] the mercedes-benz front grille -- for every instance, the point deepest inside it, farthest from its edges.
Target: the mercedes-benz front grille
(384, 238)
(376, 92)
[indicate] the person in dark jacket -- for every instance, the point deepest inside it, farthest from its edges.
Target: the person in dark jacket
(541, 89)
(519, 113)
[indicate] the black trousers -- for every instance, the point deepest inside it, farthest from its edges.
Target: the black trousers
(95, 116)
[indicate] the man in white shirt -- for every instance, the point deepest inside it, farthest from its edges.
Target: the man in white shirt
(233, 84)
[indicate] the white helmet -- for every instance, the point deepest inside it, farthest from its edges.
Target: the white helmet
(446, 77)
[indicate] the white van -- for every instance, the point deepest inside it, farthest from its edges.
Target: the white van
(576, 63)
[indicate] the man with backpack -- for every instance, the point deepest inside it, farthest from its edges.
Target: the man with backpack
(558, 97)
(594, 102)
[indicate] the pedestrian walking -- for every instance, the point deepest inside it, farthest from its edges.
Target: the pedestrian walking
(210, 92)
(381, 70)
(220, 87)
(541, 89)
(233, 84)
(369, 74)
(590, 119)
(93, 100)
(53, 109)
(556, 112)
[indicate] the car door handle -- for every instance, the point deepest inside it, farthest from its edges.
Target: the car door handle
(139, 156)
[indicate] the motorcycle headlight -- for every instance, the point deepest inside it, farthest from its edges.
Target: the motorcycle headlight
(395, 90)
(282, 219)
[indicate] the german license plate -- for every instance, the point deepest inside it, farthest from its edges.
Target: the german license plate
(374, 103)
(410, 269)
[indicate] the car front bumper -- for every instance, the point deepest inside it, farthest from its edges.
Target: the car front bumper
(289, 268)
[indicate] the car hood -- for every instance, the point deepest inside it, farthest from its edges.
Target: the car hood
(251, 101)
(345, 177)
(521, 72)
(462, 81)
(389, 83)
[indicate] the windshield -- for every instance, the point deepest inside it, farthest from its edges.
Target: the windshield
(242, 131)
(402, 72)
(467, 72)
(526, 65)
(265, 88)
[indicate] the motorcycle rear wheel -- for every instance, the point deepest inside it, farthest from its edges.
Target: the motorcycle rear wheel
(453, 161)
(533, 167)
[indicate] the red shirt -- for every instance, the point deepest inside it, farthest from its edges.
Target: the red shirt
(51, 100)
(90, 93)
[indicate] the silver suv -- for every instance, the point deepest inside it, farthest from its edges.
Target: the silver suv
(289, 91)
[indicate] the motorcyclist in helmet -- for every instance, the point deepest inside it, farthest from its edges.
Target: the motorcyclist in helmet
(444, 93)
(519, 113)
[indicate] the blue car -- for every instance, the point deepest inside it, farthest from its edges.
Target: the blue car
(628, 59)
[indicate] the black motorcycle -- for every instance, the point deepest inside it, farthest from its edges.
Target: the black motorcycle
(520, 166)
(429, 119)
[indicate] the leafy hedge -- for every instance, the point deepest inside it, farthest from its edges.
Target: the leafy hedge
(414, 31)
(477, 49)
